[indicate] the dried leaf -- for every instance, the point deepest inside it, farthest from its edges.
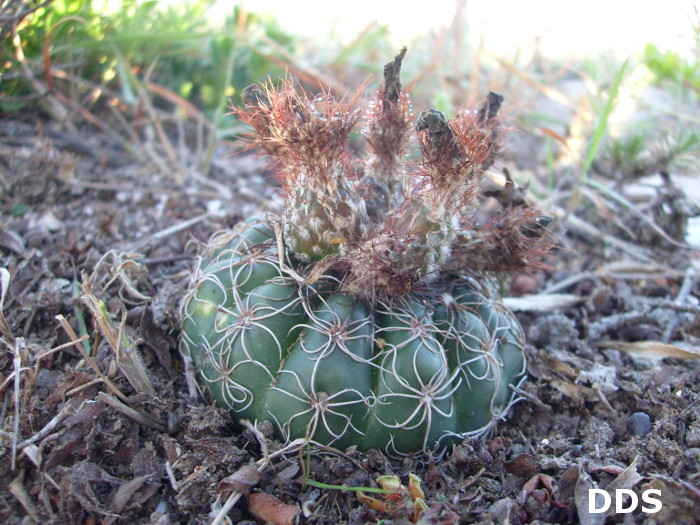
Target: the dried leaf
(390, 483)
(321, 267)
(73, 438)
(555, 364)
(242, 481)
(523, 466)
(567, 484)
(268, 508)
(86, 483)
(442, 513)
(679, 499)
(577, 393)
(418, 507)
(4, 285)
(125, 492)
(11, 241)
(18, 490)
(627, 479)
(609, 469)
(537, 480)
(581, 497)
(538, 494)
(34, 454)
(126, 353)
(289, 472)
(654, 350)
(553, 134)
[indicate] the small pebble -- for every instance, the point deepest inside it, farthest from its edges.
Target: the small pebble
(576, 451)
(639, 424)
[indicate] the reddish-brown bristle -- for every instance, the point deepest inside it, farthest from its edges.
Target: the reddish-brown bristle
(389, 224)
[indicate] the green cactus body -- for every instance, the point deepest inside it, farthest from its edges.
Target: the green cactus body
(375, 327)
(404, 375)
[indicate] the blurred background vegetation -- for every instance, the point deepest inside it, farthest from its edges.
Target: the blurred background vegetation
(205, 50)
(116, 66)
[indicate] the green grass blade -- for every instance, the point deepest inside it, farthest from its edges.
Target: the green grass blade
(220, 108)
(596, 139)
(345, 487)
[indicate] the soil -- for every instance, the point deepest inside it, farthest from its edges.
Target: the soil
(611, 401)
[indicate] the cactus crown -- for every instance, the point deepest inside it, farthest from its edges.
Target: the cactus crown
(385, 224)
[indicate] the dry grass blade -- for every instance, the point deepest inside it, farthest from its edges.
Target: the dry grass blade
(128, 359)
(305, 72)
(280, 250)
(77, 342)
(548, 91)
(654, 350)
(14, 12)
(18, 490)
(227, 73)
(687, 286)
(171, 476)
(49, 427)
(167, 231)
(136, 415)
(51, 104)
(542, 302)
(119, 266)
(58, 349)
(190, 110)
(595, 141)
(140, 417)
(130, 142)
(586, 228)
(17, 366)
(4, 285)
(622, 270)
(633, 209)
(97, 122)
(160, 131)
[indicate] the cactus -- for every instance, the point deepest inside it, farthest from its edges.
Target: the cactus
(365, 314)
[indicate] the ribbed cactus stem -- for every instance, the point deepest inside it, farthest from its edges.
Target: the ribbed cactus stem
(409, 374)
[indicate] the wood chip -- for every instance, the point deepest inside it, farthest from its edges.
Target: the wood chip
(269, 509)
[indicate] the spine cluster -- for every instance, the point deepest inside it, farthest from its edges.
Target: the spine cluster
(385, 222)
